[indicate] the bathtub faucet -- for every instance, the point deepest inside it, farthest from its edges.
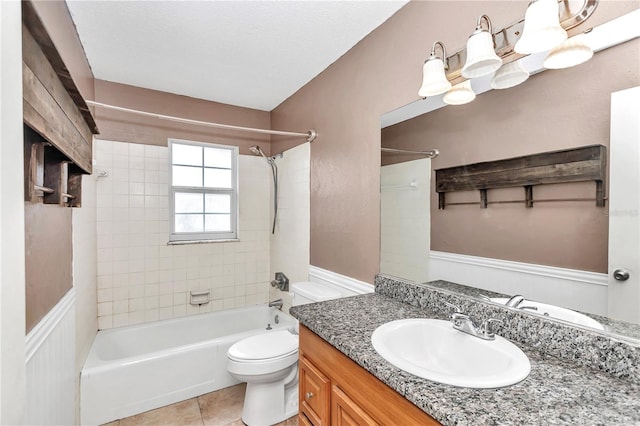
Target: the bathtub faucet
(277, 303)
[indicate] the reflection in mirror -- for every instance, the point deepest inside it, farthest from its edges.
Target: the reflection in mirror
(404, 233)
(555, 253)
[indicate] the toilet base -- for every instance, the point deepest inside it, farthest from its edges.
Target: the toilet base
(265, 405)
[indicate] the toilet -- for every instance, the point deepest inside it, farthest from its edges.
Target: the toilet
(268, 363)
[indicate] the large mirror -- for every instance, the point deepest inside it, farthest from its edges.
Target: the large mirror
(562, 253)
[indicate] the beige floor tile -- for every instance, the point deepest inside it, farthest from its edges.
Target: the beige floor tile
(236, 423)
(185, 413)
(116, 423)
(222, 407)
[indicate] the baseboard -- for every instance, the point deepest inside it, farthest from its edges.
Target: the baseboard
(343, 282)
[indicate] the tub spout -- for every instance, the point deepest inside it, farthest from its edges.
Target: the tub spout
(276, 303)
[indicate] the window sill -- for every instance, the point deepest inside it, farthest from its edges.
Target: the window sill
(178, 243)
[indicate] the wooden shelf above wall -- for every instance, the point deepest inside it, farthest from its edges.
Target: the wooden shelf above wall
(588, 163)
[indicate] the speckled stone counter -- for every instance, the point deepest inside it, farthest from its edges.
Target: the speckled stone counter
(556, 392)
(621, 328)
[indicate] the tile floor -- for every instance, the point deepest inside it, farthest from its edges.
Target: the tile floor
(219, 408)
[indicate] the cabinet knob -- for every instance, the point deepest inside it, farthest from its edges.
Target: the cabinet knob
(308, 395)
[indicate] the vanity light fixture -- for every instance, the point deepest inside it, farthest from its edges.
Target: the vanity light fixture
(509, 75)
(481, 55)
(569, 53)
(460, 94)
(542, 29)
(434, 80)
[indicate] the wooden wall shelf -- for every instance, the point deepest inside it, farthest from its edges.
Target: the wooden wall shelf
(59, 126)
(588, 163)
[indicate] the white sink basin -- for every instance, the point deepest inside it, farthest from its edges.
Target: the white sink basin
(434, 350)
(556, 312)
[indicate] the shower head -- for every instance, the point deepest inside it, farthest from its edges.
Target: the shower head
(256, 150)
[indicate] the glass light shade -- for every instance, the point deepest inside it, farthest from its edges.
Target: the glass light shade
(434, 80)
(509, 75)
(460, 94)
(571, 52)
(481, 56)
(542, 30)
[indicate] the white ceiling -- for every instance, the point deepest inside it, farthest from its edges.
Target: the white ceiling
(253, 54)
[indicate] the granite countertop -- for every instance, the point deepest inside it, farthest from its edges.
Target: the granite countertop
(556, 391)
(622, 328)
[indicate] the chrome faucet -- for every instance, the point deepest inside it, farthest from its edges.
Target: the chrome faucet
(515, 301)
(532, 308)
(464, 323)
(276, 303)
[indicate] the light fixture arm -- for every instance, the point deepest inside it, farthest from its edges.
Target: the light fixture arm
(433, 55)
(479, 24)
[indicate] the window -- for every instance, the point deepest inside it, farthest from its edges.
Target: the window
(203, 191)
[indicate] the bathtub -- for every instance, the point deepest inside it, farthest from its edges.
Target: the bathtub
(138, 368)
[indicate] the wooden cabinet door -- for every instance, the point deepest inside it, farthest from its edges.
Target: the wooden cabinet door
(315, 391)
(345, 412)
(303, 420)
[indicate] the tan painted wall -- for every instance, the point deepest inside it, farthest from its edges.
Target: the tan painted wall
(48, 258)
(553, 110)
(344, 104)
(126, 127)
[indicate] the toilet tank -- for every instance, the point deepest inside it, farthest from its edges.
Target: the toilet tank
(308, 292)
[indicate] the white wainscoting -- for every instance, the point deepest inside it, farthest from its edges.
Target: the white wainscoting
(346, 285)
(50, 358)
(580, 290)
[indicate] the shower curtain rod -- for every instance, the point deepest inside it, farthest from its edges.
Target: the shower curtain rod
(430, 154)
(310, 135)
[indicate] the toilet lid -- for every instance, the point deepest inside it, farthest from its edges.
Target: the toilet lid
(265, 346)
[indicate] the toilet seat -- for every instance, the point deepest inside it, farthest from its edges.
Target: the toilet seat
(264, 347)
(264, 360)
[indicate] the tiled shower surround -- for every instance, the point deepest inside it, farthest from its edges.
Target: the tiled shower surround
(140, 277)
(290, 243)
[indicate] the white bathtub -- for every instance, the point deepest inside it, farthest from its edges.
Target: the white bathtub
(137, 368)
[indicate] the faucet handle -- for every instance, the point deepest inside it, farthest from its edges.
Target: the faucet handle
(515, 301)
(451, 305)
(486, 328)
(484, 297)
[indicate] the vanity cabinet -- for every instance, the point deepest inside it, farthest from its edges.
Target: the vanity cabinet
(315, 393)
(334, 390)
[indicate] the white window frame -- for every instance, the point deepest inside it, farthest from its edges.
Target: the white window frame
(197, 237)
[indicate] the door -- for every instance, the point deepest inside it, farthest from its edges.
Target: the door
(624, 206)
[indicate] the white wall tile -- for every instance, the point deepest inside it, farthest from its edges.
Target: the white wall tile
(140, 277)
(136, 150)
(288, 251)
